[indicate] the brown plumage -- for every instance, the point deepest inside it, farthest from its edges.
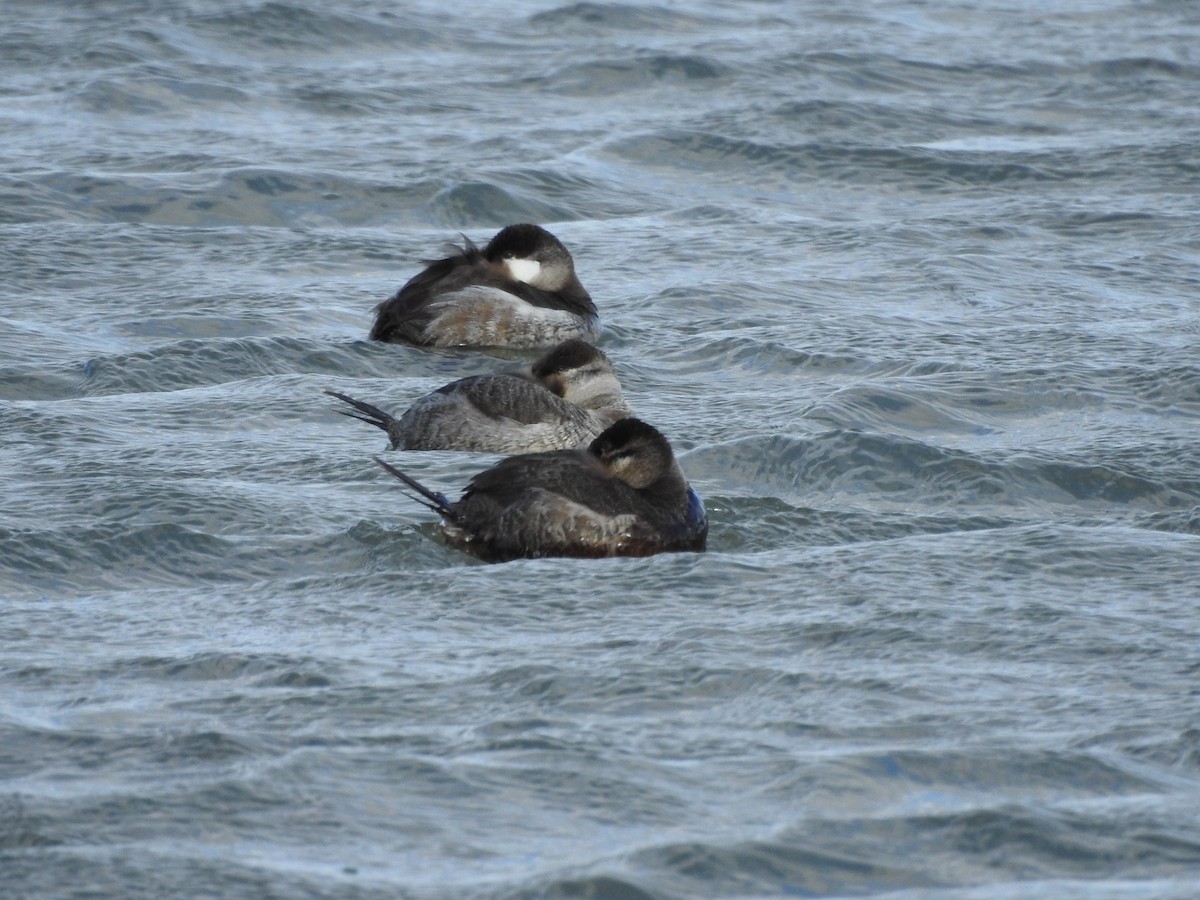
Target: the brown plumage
(624, 495)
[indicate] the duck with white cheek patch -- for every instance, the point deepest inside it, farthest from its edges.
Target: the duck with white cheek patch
(520, 291)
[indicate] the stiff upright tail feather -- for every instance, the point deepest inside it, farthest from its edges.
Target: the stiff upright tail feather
(432, 499)
(365, 412)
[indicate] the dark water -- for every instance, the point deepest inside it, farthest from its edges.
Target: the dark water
(913, 288)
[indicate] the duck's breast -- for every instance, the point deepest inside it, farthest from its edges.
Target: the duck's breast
(484, 316)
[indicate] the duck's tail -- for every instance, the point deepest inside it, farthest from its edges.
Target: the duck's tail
(423, 495)
(372, 415)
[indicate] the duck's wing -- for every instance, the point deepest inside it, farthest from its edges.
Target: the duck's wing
(404, 317)
(519, 400)
(572, 474)
(495, 414)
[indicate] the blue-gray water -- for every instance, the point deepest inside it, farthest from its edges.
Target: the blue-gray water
(914, 289)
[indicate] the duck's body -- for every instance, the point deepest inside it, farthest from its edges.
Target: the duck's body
(624, 495)
(563, 400)
(519, 291)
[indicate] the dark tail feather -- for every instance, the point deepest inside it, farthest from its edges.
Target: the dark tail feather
(372, 415)
(432, 499)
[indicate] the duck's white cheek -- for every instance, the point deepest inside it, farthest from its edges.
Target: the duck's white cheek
(525, 270)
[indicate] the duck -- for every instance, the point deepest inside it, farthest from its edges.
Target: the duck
(562, 400)
(520, 291)
(622, 495)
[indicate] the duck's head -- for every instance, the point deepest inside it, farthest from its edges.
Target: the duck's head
(531, 254)
(580, 374)
(634, 452)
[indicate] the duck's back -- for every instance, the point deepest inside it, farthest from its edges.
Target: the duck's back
(497, 414)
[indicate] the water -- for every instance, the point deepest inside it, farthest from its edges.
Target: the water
(914, 290)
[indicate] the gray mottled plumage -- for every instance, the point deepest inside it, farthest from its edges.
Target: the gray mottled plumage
(562, 400)
(624, 495)
(519, 291)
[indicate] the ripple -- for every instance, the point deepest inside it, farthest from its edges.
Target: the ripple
(286, 27)
(589, 18)
(199, 362)
(214, 196)
(78, 560)
(160, 96)
(891, 469)
(604, 78)
(479, 203)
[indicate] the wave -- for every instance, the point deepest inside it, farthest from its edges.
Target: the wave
(280, 27)
(587, 19)
(125, 556)
(201, 362)
(926, 170)
(603, 78)
(208, 193)
(882, 471)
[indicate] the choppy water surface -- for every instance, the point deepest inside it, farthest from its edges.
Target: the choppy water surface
(913, 289)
